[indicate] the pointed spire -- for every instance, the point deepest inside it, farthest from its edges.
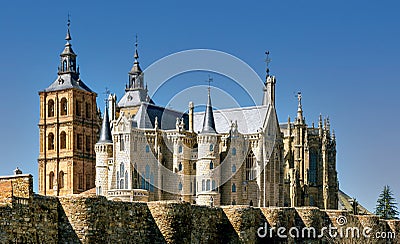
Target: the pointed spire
(209, 123)
(68, 36)
(300, 118)
(105, 134)
(136, 67)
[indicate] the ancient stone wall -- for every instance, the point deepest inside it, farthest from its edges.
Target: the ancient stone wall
(94, 219)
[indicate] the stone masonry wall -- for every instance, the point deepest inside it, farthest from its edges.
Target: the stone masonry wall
(94, 219)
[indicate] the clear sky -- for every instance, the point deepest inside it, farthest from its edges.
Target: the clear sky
(342, 55)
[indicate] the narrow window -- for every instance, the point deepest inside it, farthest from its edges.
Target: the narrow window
(63, 140)
(121, 143)
(51, 141)
(180, 186)
(233, 168)
(126, 179)
(180, 166)
(61, 180)
(80, 181)
(88, 182)
(211, 165)
(203, 185)
(250, 166)
(64, 106)
(233, 187)
(78, 108)
(213, 187)
(211, 147)
(147, 148)
(233, 151)
(180, 149)
(50, 112)
(51, 180)
(88, 110)
(208, 182)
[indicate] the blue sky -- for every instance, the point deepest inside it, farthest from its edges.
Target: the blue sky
(342, 55)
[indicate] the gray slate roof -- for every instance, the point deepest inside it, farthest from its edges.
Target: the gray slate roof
(66, 81)
(133, 98)
(249, 119)
(145, 117)
(105, 134)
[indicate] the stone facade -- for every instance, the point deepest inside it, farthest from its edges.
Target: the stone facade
(94, 219)
(68, 128)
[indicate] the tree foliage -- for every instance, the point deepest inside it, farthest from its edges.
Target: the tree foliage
(386, 206)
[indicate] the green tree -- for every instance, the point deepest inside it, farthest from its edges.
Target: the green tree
(386, 206)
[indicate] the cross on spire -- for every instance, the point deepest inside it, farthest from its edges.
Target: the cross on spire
(68, 37)
(267, 61)
(210, 79)
(106, 93)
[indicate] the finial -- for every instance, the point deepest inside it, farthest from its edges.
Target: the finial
(299, 99)
(68, 37)
(136, 56)
(210, 79)
(267, 61)
(107, 94)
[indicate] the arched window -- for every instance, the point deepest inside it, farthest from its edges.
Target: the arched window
(233, 187)
(213, 187)
(233, 151)
(117, 179)
(64, 106)
(50, 109)
(121, 184)
(203, 185)
(180, 166)
(211, 147)
(180, 186)
(65, 65)
(233, 168)
(63, 140)
(61, 180)
(180, 150)
(122, 169)
(51, 141)
(51, 180)
(250, 166)
(208, 183)
(147, 148)
(211, 165)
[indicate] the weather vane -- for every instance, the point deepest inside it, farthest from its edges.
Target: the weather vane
(69, 21)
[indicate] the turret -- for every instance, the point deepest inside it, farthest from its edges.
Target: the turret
(207, 178)
(269, 86)
(104, 152)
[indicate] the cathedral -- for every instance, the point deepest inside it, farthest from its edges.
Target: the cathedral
(141, 151)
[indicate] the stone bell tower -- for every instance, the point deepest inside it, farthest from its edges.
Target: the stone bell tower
(68, 129)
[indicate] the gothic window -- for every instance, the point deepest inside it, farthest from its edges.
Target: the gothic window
(211, 165)
(88, 144)
(203, 185)
(211, 147)
(313, 167)
(208, 182)
(180, 149)
(61, 180)
(79, 141)
(147, 148)
(64, 106)
(126, 179)
(51, 141)
(250, 166)
(213, 187)
(233, 168)
(180, 166)
(78, 108)
(233, 151)
(51, 180)
(180, 186)
(121, 143)
(122, 169)
(233, 187)
(88, 110)
(117, 179)
(50, 112)
(121, 184)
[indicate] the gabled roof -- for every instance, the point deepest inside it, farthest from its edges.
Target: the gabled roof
(250, 119)
(133, 98)
(66, 81)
